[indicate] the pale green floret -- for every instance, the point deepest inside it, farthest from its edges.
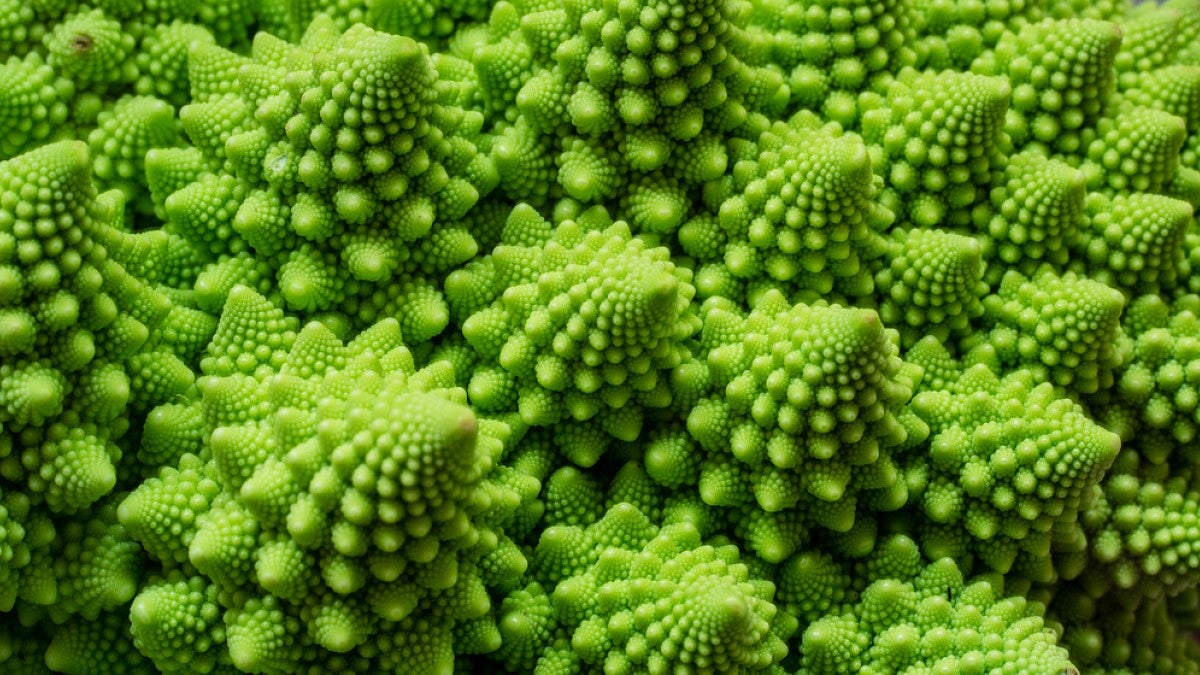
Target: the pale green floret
(346, 489)
(620, 92)
(802, 216)
(1134, 242)
(176, 623)
(935, 139)
(1112, 635)
(1061, 72)
(348, 181)
(1009, 464)
(1037, 214)
(905, 623)
(1137, 150)
(101, 645)
(854, 46)
(933, 284)
(584, 321)
(75, 325)
(1060, 329)
(787, 428)
(640, 598)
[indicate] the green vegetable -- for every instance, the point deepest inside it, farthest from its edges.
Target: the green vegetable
(599, 336)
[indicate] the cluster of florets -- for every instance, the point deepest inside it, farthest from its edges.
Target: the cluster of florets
(354, 166)
(576, 324)
(86, 347)
(338, 487)
(787, 431)
(583, 336)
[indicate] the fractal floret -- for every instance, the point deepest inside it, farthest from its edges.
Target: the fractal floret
(577, 325)
(914, 618)
(355, 166)
(86, 344)
(339, 489)
(801, 215)
(628, 596)
(1008, 467)
(804, 411)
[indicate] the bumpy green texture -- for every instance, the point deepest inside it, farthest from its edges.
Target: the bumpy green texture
(428, 20)
(1136, 151)
(425, 18)
(800, 214)
(1110, 634)
(1061, 74)
(630, 596)
(347, 179)
(1037, 213)
(1134, 243)
(162, 60)
(91, 50)
(1148, 42)
(1141, 525)
(915, 619)
(1172, 89)
(118, 145)
(803, 415)
(91, 566)
(161, 513)
(33, 103)
(72, 323)
(175, 622)
(935, 140)
(832, 50)
(340, 492)
(578, 324)
(103, 646)
(66, 62)
(599, 336)
(1155, 387)
(633, 100)
(1061, 329)
(933, 284)
(953, 32)
(950, 34)
(1007, 470)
